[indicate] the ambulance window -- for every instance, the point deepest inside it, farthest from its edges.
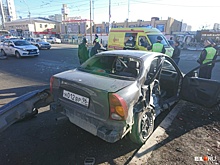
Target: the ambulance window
(142, 41)
(129, 35)
(153, 39)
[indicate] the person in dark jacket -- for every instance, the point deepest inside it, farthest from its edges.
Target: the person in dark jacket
(208, 54)
(83, 52)
(176, 52)
(95, 48)
(130, 44)
(157, 46)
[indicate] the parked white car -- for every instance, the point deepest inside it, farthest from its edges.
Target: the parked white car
(38, 42)
(19, 48)
(54, 40)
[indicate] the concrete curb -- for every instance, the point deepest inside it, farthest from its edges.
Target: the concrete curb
(144, 153)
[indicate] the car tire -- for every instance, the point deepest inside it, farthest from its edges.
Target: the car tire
(3, 53)
(143, 126)
(17, 54)
(52, 42)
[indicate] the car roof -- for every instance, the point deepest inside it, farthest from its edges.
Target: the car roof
(130, 53)
(16, 40)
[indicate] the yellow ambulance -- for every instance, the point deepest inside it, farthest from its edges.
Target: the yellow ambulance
(143, 37)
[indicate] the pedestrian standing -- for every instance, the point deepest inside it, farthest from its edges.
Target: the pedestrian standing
(157, 46)
(176, 52)
(95, 48)
(96, 38)
(83, 52)
(208, 54)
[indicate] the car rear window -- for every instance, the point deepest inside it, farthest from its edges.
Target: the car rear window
(112, 66)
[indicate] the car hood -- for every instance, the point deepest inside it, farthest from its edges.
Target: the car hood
(92, 80)
(27, 47)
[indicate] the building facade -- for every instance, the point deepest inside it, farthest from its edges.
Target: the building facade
(56, 17)
(11, 10)
(74, 28)
(35, 27)
(8, 10)
(167, 27)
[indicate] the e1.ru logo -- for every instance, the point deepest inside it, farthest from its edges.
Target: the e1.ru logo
(205, 158)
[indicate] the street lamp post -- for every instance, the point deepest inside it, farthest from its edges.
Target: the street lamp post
(29, 16)
(3, 15)
(91, 21)
(109, 23)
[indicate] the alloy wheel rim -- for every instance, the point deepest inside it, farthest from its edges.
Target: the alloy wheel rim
(146, 123)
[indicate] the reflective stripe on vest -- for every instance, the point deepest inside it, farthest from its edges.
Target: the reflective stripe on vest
(157, 47)
(210, 54)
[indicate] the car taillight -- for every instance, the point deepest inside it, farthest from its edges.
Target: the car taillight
(118, 107)
(51, 83)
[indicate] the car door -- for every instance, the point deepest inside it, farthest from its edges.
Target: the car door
(205, 92)
(11, 48)
(6, 47)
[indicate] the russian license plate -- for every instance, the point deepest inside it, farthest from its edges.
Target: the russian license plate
(76, 98)
(32, 52)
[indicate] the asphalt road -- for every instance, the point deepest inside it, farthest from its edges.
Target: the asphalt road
(43, 140)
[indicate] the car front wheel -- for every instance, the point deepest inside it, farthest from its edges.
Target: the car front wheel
(17, 54)
(143, 126)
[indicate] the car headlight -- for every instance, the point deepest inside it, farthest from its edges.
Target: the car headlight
(24, 49)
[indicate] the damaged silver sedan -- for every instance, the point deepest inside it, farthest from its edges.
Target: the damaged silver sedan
(115, 93)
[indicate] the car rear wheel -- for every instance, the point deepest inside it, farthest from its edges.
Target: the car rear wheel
(52, 42)
(143, 126)
(3, 52)
(17, 54)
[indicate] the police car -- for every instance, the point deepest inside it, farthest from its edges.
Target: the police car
(19, 48)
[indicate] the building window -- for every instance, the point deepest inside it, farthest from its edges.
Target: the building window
(45, 26)
(55, 27)
(40, 25)
(98, 29)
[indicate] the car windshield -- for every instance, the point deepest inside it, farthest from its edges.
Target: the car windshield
(118, 67)
(153, 39)
(21, 43)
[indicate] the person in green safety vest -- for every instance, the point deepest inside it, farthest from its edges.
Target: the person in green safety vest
(208, 54)
(157, 46)
(96, 38)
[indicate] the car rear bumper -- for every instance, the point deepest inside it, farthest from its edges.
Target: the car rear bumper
(110, 131)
